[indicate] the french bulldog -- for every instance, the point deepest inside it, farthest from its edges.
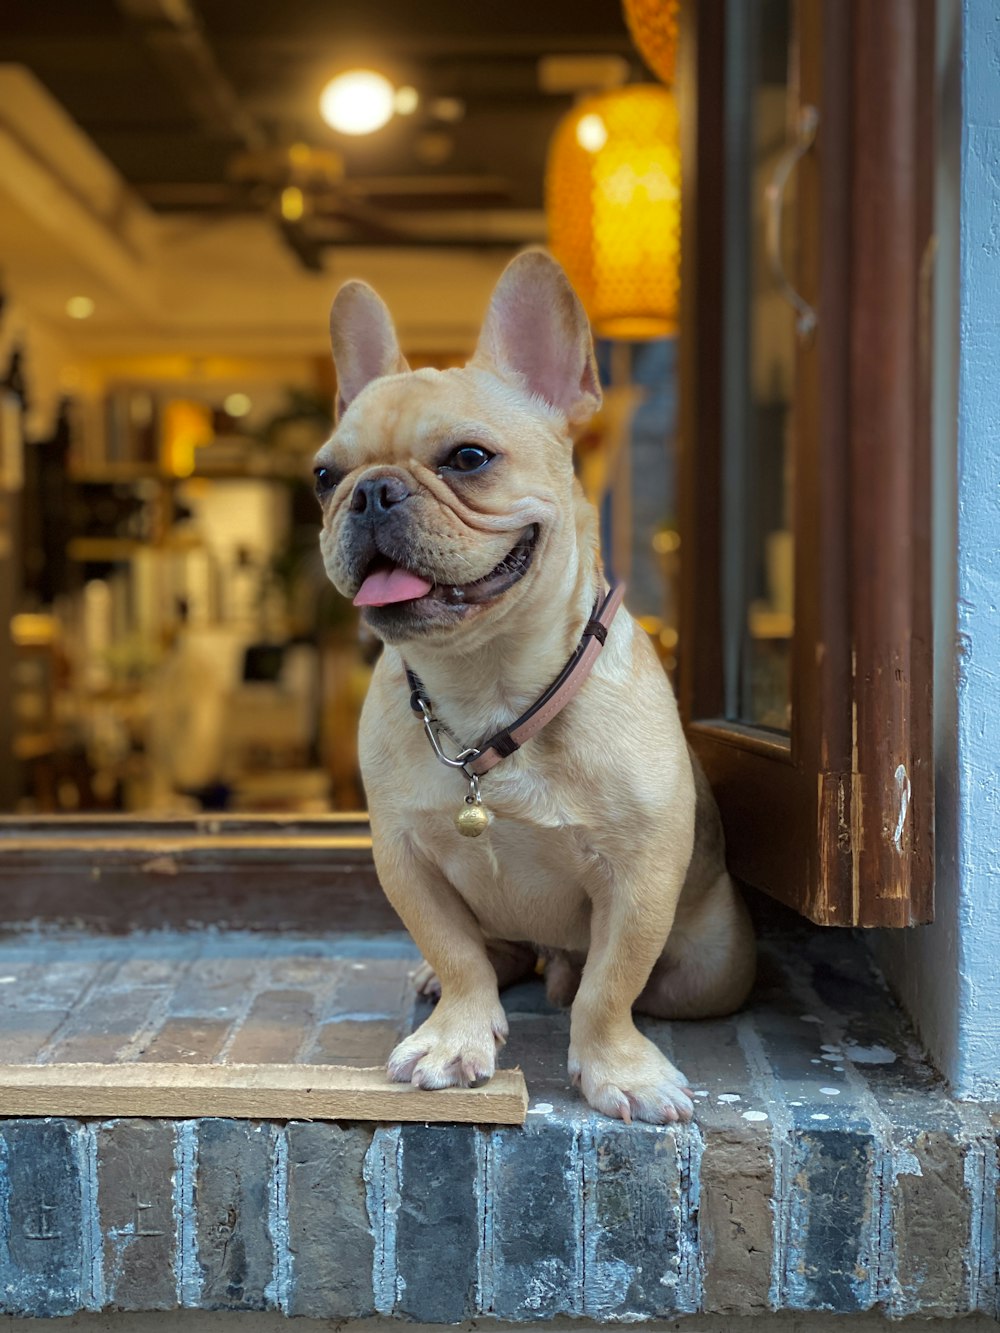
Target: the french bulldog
(452, 516)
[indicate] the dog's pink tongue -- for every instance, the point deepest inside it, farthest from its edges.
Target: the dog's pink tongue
(391, 585)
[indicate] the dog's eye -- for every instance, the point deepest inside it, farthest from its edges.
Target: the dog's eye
(468, 458)
(326, 480)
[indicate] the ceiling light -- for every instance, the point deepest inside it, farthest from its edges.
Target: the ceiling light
(79, 307)
(237, 405)
(406, 101)
(357, 102)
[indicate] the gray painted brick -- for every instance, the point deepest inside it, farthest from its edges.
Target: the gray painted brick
(316, 973)
(329, 1233)
(186, 1041)
(135, 1162)
(632, 1222)
(275, 1029)
(232, 1186)
(215, 988)
(351, 1041)
(54, 985)
(41, 1232)
(26, 1031)
(158, 973)
(538, 1044)
(374, 987)
(103, 1025)
(535, 1188)
(828, 1250)
(710, 1055)
(438, 1216)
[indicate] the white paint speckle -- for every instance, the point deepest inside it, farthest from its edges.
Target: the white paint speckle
(540, 1108)
(830, 1092)
(870, 1055)
(360, 967)
(903, 787)
(701, 1092)
(831, 1058)
(820, 1115)
(831, 1050)
(6, 981)
(729, 1097)
(755, 1115)
(905, 1163)
(838, 1069)
(815, 1062)
(809, 1018)
(794, 1103)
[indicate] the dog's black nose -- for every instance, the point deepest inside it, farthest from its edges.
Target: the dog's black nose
(378, 494)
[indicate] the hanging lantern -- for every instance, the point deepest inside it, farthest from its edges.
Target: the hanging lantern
(655, 27)
(614, 209)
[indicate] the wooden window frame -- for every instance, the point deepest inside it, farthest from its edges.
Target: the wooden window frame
(836, 819)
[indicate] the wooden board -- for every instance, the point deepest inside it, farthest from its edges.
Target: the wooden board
(251, 1092)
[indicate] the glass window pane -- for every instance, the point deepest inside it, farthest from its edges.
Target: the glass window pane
(759, 370)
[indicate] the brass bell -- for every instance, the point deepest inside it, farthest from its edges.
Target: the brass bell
(472, 819)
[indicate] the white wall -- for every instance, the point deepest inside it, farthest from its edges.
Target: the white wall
(948, 974)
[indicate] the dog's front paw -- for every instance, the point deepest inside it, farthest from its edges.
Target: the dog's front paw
(631, 1081)
(456, 1047)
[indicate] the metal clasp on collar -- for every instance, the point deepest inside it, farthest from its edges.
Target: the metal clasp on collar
(433, 728)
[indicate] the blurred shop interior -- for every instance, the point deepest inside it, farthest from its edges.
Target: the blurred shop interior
(183, 186)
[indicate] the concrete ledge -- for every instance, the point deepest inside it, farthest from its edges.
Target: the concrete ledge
(828, 1170)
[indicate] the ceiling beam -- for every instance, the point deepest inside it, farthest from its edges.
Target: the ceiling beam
(52, 174)
(175, 38)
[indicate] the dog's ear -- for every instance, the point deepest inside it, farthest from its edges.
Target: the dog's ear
(363, 340)
(537, 335)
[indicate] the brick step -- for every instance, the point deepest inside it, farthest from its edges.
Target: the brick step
(828, 1168)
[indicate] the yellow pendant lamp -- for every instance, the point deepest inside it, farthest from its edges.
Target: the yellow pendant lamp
(614, 209)
(655, 27)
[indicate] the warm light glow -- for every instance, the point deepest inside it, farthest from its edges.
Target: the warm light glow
(591, 133)
(406, 101)
(357, 102)
(614, 209)
(237, 405)
(666, 541)
(31, 629)
(186, 427)
(79, 307)
(449, 109)
(293, 203)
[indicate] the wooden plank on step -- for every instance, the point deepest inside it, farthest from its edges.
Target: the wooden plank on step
(252, 1092)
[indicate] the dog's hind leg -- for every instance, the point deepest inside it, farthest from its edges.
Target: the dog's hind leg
(707, 966)
(563, 971)
(512, 961)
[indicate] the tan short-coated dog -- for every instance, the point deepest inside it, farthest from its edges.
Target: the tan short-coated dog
(452, 515)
